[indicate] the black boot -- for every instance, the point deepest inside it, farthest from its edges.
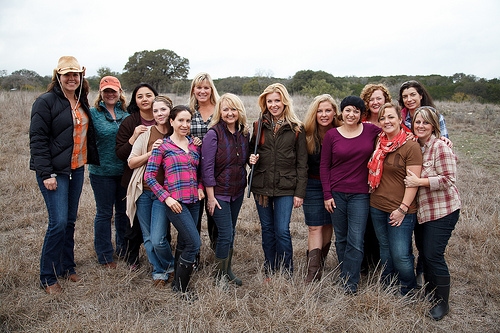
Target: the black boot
(182, 276)
(441, 297)
(233, 278)
(324, 253)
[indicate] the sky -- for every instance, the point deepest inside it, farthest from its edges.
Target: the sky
(259, 37)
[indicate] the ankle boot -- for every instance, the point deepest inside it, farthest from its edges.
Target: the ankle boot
(232, 278)
(441, 297)
(182, 276)
(324, 253)
(313, 265)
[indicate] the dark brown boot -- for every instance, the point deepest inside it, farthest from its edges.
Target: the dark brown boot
(324, 253)
(313, 265)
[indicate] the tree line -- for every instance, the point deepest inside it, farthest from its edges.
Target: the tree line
(167, 72)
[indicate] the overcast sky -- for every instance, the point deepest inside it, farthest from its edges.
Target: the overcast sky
(272, 38)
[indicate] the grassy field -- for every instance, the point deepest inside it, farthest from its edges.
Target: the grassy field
(123, 301)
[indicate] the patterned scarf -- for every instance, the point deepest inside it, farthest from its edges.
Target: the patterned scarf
(276, 125)
(376, 162)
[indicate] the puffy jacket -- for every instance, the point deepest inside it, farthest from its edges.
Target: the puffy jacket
(51, 135)
(282, 166)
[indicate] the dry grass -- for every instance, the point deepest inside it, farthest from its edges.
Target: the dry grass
(123, 301)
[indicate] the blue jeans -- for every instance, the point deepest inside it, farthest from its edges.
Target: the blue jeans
(225, 220)
(58, 257)
(396, 251)
(315, 213)
(155, 226)
(276, 238)
(349, 224)
(109, 193)
(188, 238)
(436, 235)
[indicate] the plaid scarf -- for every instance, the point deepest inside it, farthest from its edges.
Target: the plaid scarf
(376, 162)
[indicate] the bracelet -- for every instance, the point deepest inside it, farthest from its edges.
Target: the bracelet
(402, 211)
(408, 207)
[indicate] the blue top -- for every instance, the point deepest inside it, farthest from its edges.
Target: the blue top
(106, 128)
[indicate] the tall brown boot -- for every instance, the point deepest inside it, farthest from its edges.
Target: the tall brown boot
(313, 265)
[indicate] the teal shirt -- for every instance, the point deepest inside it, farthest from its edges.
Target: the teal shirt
(105, 129)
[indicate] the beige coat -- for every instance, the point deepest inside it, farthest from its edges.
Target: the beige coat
(134, 189)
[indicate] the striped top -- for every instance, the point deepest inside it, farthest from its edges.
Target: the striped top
(181, 172)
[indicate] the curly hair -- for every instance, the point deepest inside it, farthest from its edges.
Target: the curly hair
(367, 92)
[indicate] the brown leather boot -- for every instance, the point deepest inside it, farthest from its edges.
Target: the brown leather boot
(324, 253)
(313, 265)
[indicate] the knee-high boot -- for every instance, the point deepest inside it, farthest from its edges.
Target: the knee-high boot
(221, 276)
(441, 297)
(232, 278)
(182, 276)
(313, 265)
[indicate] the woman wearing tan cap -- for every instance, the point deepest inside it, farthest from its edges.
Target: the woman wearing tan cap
(62, 141)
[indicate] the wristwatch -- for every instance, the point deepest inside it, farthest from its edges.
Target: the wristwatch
(53, 175)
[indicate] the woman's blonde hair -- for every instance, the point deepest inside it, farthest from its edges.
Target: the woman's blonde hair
(121, 99)
(313, 138)
(235, 102)
(165, 99)
(288, 113)
(430, 115)
(198, 79)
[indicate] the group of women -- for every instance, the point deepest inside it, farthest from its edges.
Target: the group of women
(368, 161)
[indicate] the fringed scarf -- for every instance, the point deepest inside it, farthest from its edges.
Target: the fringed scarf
(376, 162)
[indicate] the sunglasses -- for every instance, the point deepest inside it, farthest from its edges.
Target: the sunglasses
(407, 83)
(430, 108)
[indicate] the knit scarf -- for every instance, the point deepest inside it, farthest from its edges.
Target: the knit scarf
(376, 162)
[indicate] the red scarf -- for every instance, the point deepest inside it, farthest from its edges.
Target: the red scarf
(376, 162)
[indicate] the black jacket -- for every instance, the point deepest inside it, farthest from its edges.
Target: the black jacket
(51, 135)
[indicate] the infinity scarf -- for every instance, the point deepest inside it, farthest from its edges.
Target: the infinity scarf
(376, 162)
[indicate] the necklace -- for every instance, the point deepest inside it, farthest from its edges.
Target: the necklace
(76, 112)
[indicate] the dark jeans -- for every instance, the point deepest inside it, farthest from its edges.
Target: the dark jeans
(188, 238)
(58, 258)
(396, 251)
(211, 225)
(349, 224)
(436, 235)
(276, 238)
(225, 219)
(109, 194)
(133, 241)
(371, 253)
